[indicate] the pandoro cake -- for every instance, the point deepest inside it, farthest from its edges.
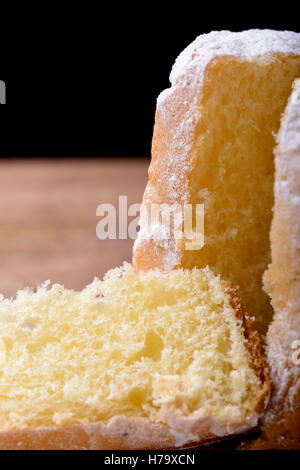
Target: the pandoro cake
(213, 144)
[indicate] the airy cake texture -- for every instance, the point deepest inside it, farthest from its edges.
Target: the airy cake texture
(213, 144)
(149, 360)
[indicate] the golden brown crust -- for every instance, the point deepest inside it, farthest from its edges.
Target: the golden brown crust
(254, 348)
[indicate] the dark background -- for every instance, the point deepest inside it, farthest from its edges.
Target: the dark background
(85, 82)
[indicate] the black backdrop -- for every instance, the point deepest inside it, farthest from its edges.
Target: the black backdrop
(85, 84)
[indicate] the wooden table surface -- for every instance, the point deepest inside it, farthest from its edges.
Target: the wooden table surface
(48, 218)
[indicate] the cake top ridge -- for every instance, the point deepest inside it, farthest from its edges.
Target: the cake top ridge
(249, 44)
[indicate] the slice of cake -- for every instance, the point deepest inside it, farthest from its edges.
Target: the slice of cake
(136, 361)
(213, 144)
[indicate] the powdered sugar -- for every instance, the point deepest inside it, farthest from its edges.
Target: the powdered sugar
(286, 326)
(190, 65)
(188, 71)
(289, 144)
(179, 113)
(160, 234)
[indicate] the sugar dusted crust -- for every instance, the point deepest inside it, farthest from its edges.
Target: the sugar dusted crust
(175, 126)
(122, 432)
(281, 426)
